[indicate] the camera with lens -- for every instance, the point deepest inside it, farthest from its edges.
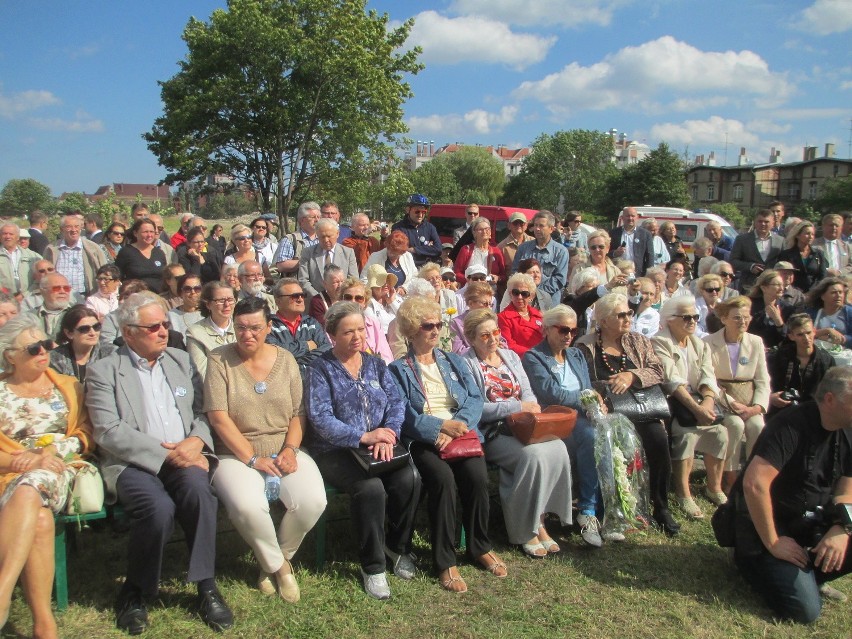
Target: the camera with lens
(791, 395)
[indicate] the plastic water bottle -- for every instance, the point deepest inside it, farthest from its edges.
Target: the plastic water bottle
(273, 486)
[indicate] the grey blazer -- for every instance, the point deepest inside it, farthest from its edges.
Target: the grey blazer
(62, 358)
(493, 411)
(311, 267)
(115, 403)
(744, 255)
(845, 253)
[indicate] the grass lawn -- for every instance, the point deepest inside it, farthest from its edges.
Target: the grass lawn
(647, 587)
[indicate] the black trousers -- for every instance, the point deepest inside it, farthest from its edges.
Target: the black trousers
(373, 499)
(153, 502)
(441, 479)
(655, 441)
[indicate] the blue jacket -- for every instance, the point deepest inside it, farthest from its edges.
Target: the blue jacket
(540, 364)
(419, 426)
(309, 330)
(845, 313)
(553, 259)
(424, 239)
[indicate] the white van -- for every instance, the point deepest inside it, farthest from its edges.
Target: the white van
(689, 225)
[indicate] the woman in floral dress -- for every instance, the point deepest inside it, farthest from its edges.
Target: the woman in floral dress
(43, 428)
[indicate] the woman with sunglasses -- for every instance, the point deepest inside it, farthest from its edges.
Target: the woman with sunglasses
(521, 321)
(105, 300)
(477, 295)
(534, 479)
(618, 360)
(189, 310)
(691, 382)
(79, 343)
(599, 242)
(709, 289)
(726, 272)
(375, 339)
(442, 403)
(114, 240)
(263, 243)
(143, 260)
(242, 249)
(769, 312)
(43, 424)
(216, 328)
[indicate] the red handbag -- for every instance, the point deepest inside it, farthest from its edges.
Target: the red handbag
(554, 422)
(462, 447)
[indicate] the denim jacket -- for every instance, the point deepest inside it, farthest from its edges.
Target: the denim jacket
(540, 365)
(418, 425)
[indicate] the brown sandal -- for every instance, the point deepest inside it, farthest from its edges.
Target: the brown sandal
(492, 564)
(450, 582)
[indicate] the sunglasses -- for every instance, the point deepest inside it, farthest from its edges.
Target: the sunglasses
(34, 349)
(292, 296)
(242, 238)
(119, 233)
(191, 289)
(106, 280)
(153, 328)
(477, 278)
(597, 247)
(729, 275)
(42, 271)
(712, 290)
(689, 318)
(348, 297)
(524, 294)
(489, 334)
(448, 278)
(60, 289)
(565, 330)
(85, 329)
(623, 315)
(431, 326)
(471, 212)
(259, 228)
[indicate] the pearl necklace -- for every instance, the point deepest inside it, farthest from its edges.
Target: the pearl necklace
(622, 360)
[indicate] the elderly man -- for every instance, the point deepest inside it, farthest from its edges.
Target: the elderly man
(471, 214)
(755, 251)
(552, 256)
(56, 299)
(291, 245)
(423, 241)
(360, 241)
(517, 235)
(38, 228)
(632, 242)
(329, 210)
(838, 252)
(722, 244)
(793, 504)
(661, 252)
(16, 263)
(250, 274)
(155, 449)
(292, 328)
(77, 258)
(180, 235)
(325, 252)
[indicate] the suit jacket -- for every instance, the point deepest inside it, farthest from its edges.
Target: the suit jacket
(643, 248)
(754, 356)
(25, 271)
(93, 259)
(116, 409)
(820, 243)
(744, 255)
(311, 267)
(38, 241)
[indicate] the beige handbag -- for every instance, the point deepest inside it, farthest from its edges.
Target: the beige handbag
(87, 491)
(741, 390)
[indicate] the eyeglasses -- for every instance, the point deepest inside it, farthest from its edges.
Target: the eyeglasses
(728, 275)
(477, 278)
(431, 326)
(348, 297)
(60, 288)
(254, 330)
(259, 228)
(42, 271)
(191, 289)
(738, 318)
(565, 330)
(252, 276)
(486, 335)
(712, 290)
(516, 293)
(119, 233)
(224, 301)
(575, 222)
(242, 238)
(688, 318)
(34, 349)
(597, 247)
(153, 328)
(293, 296)
(85, 329)
(623, 315)
(105, 280)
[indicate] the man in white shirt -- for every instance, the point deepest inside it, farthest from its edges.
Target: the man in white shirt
(77, 258)
(16, 263)
(838, 252)
(753, 252)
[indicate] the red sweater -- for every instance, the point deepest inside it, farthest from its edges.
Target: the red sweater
(498, 266)
(520, 334)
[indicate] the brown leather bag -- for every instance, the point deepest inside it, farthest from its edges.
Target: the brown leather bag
(554, 422)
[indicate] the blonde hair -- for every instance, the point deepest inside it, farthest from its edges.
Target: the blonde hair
(740, 301)
(412, 312)
(474, 319)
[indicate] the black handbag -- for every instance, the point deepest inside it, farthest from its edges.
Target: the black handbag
(375, 467)
(640, 405)
(685, 418)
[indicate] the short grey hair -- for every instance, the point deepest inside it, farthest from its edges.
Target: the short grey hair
(10, 331)
(479, 222)
(558, 314)
(703, 242)
(522, 278)
(12, 225)
(128, 311)
(583, 277)
(227, 268)
(705, 264)
(676, 306)
(605, 306)
(43, 283)
(331, 269)
(648, 222)
(837, 381)
(327, 222)
(306, 207)
(718, 266)
(285, 281)
(418, 286)
(546, 216)
(65, 218)
(241, 269)
(359, 215)
(338, 312)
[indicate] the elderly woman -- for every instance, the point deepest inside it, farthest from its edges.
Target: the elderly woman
(114, 240)
(43, 423)
(796, 365)
(353, 401)
(375, 339)
(332, 279)
(768, 311)
(263, 243)
(257, 439)
(521, 321)
(481, 251)
(431, 272)
(726, 272)
(216, 327)
(188, 312)
(394, 259)
(384, 301)
(242, 249)
(557, 373)
(578, 259)
(690, 382)
(739, 363)
(673, 285)
(9, 308)
(79, 343)
(646, 319)
(598, 248)
(825, 303)
(169, 287)
(709, 288)
(534, 479)
(477, 295)
(619, 359)
(143, 260)
(587, 291)
(442, 403)
(810, 263)
(657, 274)
(105, 299)
(230, 276)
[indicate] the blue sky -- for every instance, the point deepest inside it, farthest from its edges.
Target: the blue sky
(78, 80)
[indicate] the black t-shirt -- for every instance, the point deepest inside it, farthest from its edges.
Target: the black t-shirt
(788, 442)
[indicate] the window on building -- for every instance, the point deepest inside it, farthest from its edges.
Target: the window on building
(812, 190)
(711, 191)
(836, 170)
(695, 193)
(813, 171)
(695, 177)
(738, 192)
(710, 176)
(793, 190)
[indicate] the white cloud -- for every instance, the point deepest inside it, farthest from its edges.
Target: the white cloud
(811, 114)
(475, 122)
(658, 75)
(24, 102)
(475, 39)
(825, 17)
(846, 84)
(696, 104)
(567, 13)
(82, 123)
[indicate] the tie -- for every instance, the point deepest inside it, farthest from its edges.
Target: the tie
(327, 258)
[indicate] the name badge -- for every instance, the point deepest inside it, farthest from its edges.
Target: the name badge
(57, 405)
(375, 384)
(158, 263)
(538, 322)
(743, 361)
(180, 391)
(454, 377)
(636, 241)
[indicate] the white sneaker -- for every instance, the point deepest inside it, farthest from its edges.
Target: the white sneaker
(590, 530)
(829, 592)
(614, 536)
(376, 585)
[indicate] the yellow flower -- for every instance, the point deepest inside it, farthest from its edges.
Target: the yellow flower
(451, 310)
(44, 440)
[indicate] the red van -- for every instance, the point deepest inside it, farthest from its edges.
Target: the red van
(448, 217)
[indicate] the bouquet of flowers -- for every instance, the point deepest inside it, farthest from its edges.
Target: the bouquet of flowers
(622, 468)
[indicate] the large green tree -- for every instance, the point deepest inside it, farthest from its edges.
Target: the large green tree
(22, 197)
(836, 195)
(281, 93)
(478, 173)
(567, 169)
(436, 181)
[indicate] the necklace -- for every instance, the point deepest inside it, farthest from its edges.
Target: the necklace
(32, 392)
(622, 359)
